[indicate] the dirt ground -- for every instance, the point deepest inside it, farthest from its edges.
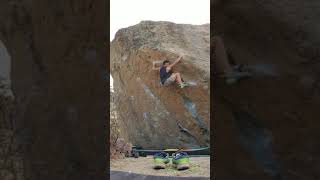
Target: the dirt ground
(199, 167)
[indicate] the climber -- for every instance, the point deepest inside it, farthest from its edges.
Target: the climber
(222, 66)
(167, 77)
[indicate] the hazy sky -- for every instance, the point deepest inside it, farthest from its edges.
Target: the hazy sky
(126, 13)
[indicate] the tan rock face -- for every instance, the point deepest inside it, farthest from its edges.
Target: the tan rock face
(154, 116)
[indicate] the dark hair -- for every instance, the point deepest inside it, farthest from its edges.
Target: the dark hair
(166, 61)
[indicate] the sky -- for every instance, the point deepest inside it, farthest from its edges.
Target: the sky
(125, 13)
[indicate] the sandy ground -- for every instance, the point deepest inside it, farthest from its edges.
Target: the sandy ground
(200, 167)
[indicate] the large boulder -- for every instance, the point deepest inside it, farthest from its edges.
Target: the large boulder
(151, 115)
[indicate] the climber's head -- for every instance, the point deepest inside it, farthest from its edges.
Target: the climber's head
(166, 63)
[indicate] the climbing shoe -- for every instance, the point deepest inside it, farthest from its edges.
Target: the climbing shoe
(183, 84)
(160, 160)
(180, 160)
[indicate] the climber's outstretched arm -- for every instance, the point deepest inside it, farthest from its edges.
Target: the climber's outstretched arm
(155, 68)
(175, 62)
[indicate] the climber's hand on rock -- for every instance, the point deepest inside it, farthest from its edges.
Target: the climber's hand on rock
(176, 61)
(179, 58)
(154, 65)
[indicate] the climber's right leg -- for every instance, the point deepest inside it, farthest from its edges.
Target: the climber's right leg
(176, 77)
